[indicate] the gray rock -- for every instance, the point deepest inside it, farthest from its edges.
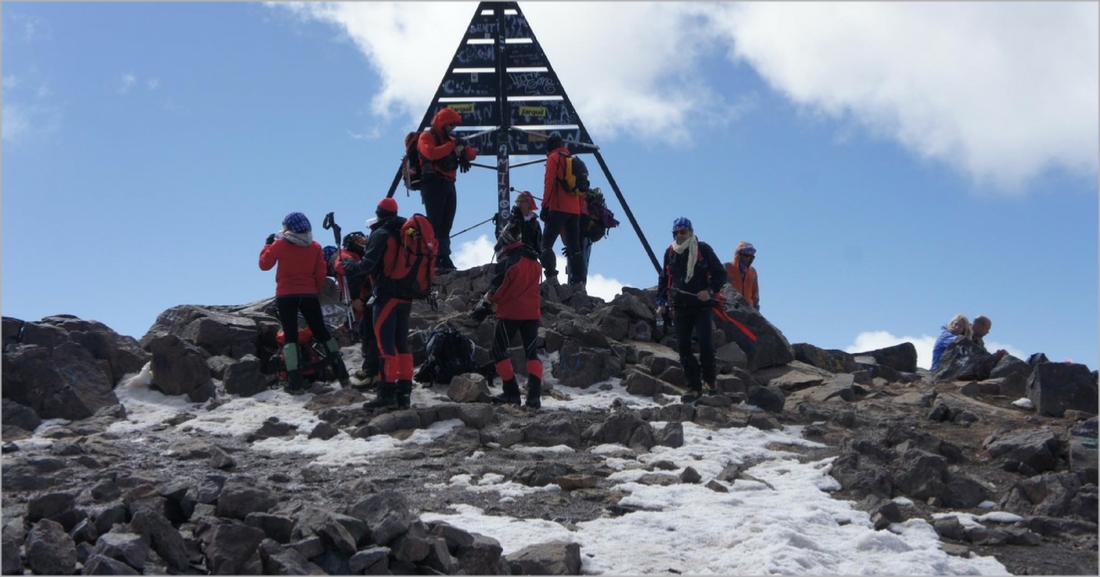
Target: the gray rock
(163, 537)
(671, 435)
(243, 377)
(363, 561)
(950, 528)
(767, 398)
(553, 558)
(1055, 387)
(66, 382)
(640, 383)
(832, 360)
(179, 368)
(19, 415)
(130, 548)
(1034, 447)
(49, 550)
(900, 357)
(468, 388)
(238, 499)
(11, 562)
(481, 556)
(100, 565)
(287, 561)
(276, 527)
(229, 548)
(386, 514)
(551, 431)
(964, 360)
(439, 557)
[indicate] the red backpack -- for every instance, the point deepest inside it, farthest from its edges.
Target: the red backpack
(409, 265)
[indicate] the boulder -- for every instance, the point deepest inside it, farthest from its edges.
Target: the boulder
(832, 360)
(1055, 387)
(964, 360)
(122, 353)
(770, 348)
(553, 558)
(243, 377)
(900, 357)
(49, 550)
(179, 368)
(63, 383)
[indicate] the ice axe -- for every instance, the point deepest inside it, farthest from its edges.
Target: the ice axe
(330, 223)
(719, 306)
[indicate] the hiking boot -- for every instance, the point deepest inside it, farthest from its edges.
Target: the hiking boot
(710, 388)
(534, 392)
(366, 381)
(691, 396)
(387, 398)
(294, 381)
(510, 395)
(404, 394)
(337, 360)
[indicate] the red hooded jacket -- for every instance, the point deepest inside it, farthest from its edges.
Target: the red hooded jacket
(301, 268)
(554, 195)
(436, 148)
(517, 297)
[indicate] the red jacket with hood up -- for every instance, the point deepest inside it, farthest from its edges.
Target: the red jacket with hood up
(301, 268)
(435, 147)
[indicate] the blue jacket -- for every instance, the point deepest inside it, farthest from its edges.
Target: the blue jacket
(945, 340)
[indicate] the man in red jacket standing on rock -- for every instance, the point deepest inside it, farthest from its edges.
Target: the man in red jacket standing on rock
(562, 217)
(442, 155)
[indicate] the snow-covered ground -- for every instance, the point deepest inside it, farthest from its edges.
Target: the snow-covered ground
(787, 523)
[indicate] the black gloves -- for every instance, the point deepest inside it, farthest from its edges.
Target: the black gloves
(463, 164)
(482, 311)
(270, 238)
(544, 213)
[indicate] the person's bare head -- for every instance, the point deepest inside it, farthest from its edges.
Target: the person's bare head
(981, 326)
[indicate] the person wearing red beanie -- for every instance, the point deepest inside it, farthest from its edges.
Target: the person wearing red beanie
(442, 156)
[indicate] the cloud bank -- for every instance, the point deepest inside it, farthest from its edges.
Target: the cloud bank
(998, 91)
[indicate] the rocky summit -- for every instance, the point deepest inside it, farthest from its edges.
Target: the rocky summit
(181, 453)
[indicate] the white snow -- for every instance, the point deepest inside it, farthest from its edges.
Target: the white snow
(784, 522)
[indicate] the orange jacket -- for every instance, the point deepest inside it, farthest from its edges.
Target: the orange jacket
(441, 156)
(747, 284)
(554, 196)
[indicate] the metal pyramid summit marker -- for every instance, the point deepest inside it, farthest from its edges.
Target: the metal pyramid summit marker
(511, 101)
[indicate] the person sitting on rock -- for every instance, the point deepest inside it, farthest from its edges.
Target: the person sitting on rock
(743, 276)
(691, 275)
(981, 327)
(299, 279)
(515, 292)
(958, 327)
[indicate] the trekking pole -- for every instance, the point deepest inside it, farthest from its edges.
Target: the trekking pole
(472, 227)
(330, 222)
(720, 312)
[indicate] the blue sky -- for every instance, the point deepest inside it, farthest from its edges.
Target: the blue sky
(895, 164)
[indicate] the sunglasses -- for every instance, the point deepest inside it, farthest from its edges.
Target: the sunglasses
(680, 231)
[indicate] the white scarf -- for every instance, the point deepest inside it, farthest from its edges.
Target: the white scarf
(691, 245)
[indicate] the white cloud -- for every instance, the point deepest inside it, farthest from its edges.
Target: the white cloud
(871, 340)
(126, 82)
(605, 288)
(1000, 90)
(474, 253)
(13, 123)
(152, 83)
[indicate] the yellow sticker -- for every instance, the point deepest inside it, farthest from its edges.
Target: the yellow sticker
(462, 107)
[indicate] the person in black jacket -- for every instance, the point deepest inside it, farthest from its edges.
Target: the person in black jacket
(391, 311)
(691, 275)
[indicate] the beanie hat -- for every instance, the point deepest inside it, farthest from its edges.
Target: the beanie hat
(530, 199)
(328, 251)
(352, 238)
(554, 142)
(387, 207)
(682, 222)
(297, 222)
(748, 249)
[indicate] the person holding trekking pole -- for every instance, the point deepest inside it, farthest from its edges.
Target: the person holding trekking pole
(691, 276)
(299, 279)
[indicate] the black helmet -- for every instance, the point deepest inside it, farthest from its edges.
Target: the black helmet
(352, 239)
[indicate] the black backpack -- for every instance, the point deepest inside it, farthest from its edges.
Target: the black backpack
(410, 164)
(597, 219)
(450, 353)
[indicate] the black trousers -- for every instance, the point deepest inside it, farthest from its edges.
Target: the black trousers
(440, 203)
(502, 338)
(288, 308)
(689, 320)
(557, 223)
(371, 362)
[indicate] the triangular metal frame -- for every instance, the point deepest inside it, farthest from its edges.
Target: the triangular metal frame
(511, 101)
